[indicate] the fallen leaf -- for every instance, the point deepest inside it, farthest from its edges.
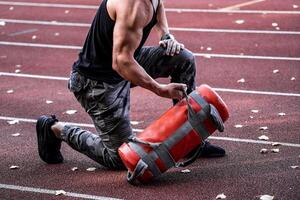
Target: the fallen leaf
(12, 122)
(134, 122)
(275, 150)
(33, 37)
(242, 80)
(91, 169)
(251, 117)
(17, 71)
(263, 128)
(264, 151)
(295, 167)
(67, 11)
(275, 71)
(293, 79)
(18, 66)
(208, 48)
(263, 137)
(60, 192)
(49, 101)
(10, 91)
(275, 144)
(266, 197)
(14, 167)
(74, 169)
(11, 8)
(15, 134)
(221, 196)
(71, 112)
(239, 21)
(254, 111)
(274, 24)
(295, 6)
(238, 126)
(56, 34)
(281, 114)
(2, 23)
(185, 171)
(277, 28)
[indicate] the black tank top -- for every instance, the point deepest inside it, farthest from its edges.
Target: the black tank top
(95, 58)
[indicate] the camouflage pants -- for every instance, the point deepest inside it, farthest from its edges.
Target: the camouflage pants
(109, 104)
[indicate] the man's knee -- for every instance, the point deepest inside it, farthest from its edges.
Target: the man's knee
(186, 56)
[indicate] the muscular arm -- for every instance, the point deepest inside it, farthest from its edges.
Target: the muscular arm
(131, 17)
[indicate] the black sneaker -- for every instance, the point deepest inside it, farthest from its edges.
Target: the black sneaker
(211, 151)
(48, 144)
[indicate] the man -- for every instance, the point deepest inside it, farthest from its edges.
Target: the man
(112, 59)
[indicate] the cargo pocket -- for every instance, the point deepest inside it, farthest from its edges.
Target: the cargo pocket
(76, 82)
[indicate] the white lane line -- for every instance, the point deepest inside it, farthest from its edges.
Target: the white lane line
(177, 10)
(141, 130)
(52, 192)
(22, 32)
(205, 30)
(238, 6)
(206, 55)
(71, 123)
(246, 56)
(217, 89)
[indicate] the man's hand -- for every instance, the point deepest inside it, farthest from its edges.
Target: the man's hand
(172, 90)
(171, 45)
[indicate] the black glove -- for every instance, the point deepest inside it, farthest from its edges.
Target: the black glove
(171, 45)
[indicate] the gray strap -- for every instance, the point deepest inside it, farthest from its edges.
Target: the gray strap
(163, 153)
(138, 171)
(149, 159)
(216, 118)
(196, 119)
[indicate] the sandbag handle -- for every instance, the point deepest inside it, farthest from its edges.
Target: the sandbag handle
(193, 158)
(140, 141)
(137, 172)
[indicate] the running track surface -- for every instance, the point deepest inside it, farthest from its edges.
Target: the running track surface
(223, 58)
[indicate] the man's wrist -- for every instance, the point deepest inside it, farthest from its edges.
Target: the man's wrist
(167, 36)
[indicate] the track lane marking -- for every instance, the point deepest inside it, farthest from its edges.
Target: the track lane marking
(240, 5)
(52, 192)
(141, 130)
(177, 10)
(217, 89)
(181, 29)
(206, 55)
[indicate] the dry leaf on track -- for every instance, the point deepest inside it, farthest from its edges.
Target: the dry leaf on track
(12, 122)
(60, 192)
(14, 167)
(185, 171)
(264, 151)
(10, 91)
(2, 23)
(281, 114)
(275, 71)
(263, 128)
(275, 150)
(74, 169)
(254, 111)
(242, 80)
(71, 112)
(15, 134)
(221, 196)
(91, 169)
(266, 197)
(238, 126)
(49, 101)
(295, 167)
(263, 137)
(239, 21)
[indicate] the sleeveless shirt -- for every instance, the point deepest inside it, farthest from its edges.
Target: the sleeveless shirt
(95, 58)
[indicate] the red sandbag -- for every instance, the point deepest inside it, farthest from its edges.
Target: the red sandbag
(175, 134)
